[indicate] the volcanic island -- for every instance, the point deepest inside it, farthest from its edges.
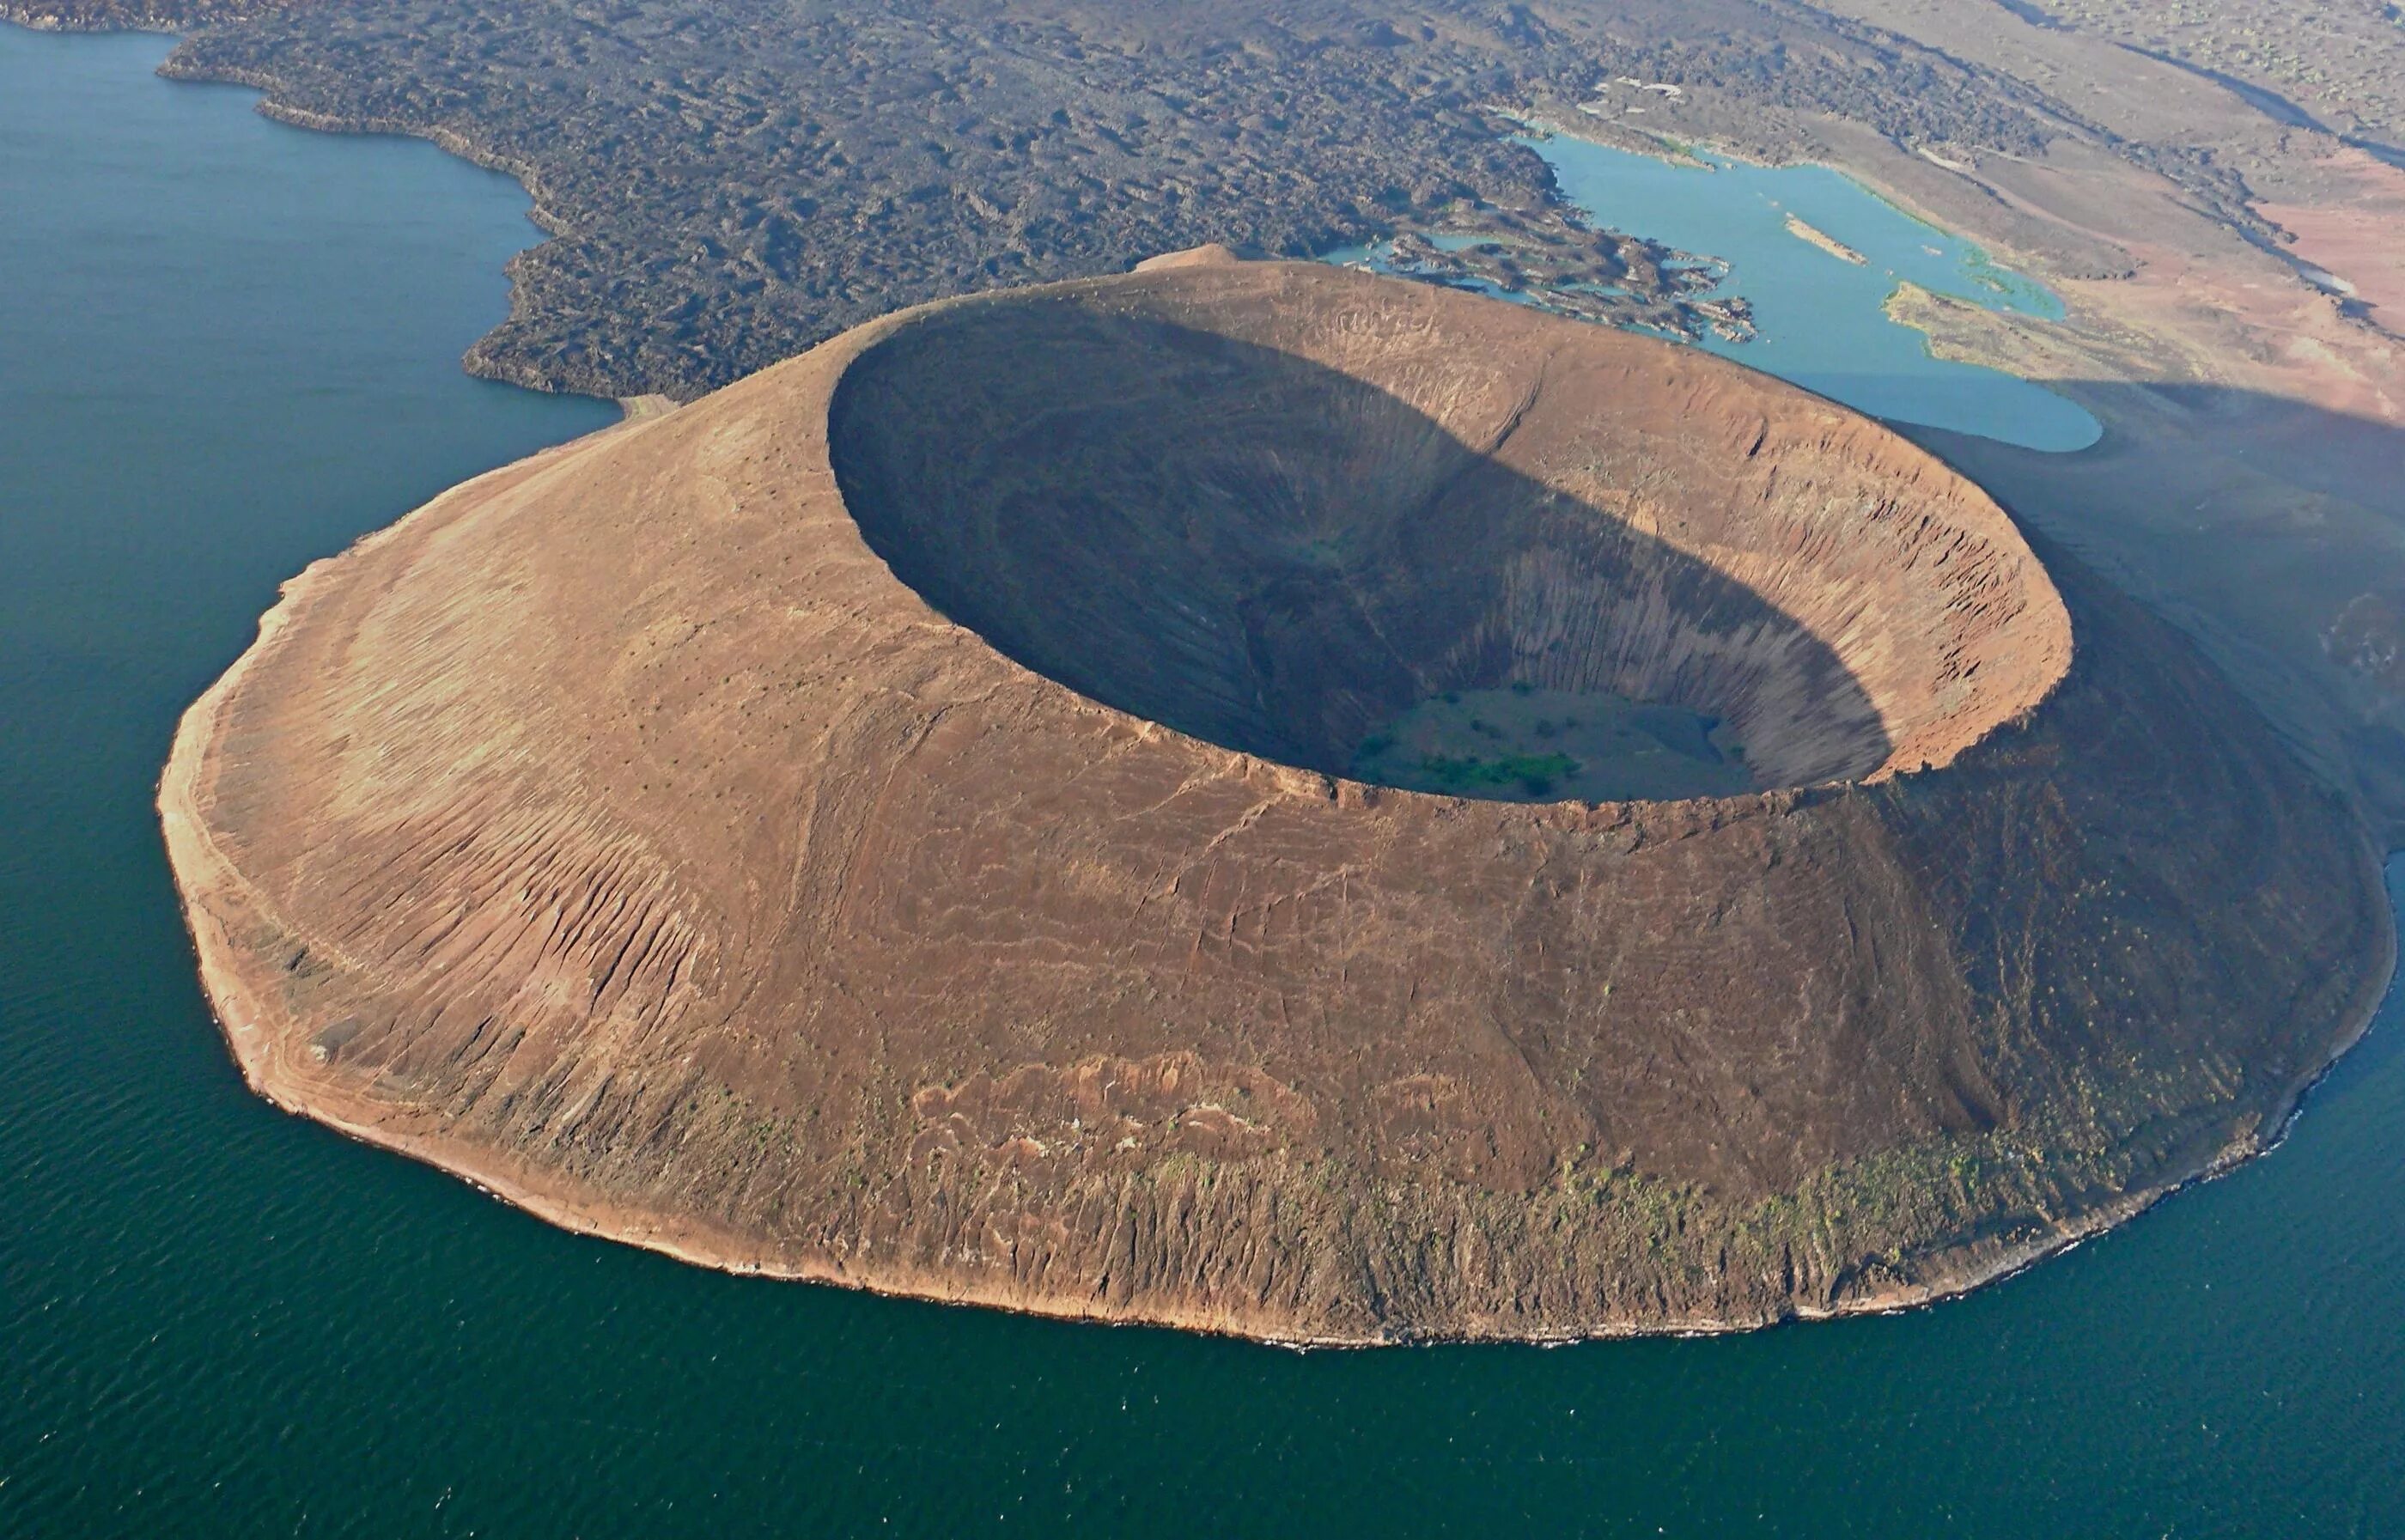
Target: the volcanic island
(1272, 800)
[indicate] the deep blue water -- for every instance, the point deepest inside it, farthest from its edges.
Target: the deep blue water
(227, 348)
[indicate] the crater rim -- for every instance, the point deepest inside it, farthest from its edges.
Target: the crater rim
(1192, 293)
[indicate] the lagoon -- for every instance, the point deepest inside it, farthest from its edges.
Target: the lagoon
(1819, 255)
(1819, 304)
(228, 348)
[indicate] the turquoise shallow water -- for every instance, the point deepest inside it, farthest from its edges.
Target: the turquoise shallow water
(1819, 318)
(227, 348)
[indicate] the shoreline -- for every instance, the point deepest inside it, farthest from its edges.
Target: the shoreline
(476, 360)
(2031, 266)
(1987, 247)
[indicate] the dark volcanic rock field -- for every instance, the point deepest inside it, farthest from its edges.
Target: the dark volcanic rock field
(730, 183)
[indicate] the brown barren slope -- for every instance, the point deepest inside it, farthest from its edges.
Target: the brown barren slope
(876, 824)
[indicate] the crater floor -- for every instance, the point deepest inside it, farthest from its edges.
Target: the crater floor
(896, 822)
(1523, 743)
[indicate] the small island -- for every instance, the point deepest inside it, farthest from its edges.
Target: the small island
(1813, 236)
(913, 820)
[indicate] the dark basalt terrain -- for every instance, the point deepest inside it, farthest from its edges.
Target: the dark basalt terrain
(885, 823)
(733, 182)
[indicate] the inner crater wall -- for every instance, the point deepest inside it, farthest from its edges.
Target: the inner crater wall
(1276, 529)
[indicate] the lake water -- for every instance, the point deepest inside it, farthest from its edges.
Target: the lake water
(227, 348)
(1818, 315)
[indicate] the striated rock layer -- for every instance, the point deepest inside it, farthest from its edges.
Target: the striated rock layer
(882, 823)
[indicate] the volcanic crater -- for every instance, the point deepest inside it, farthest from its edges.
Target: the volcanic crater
(894, 822)
(1274, 555)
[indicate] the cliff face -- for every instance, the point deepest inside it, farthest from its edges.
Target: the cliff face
(1277, 516)
(694, 834)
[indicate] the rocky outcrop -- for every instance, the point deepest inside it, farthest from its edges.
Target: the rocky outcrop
(881, 824)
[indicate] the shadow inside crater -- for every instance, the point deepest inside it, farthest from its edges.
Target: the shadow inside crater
(1272, 556)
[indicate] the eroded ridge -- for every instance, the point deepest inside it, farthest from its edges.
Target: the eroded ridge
(623, 831)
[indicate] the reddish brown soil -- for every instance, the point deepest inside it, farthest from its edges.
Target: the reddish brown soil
(880, 824)
(2352, 231)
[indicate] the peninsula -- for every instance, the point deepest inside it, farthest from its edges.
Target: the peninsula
(894, 821)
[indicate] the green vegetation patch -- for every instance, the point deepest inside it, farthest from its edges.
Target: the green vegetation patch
(1522, 742)
(1536, 774)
